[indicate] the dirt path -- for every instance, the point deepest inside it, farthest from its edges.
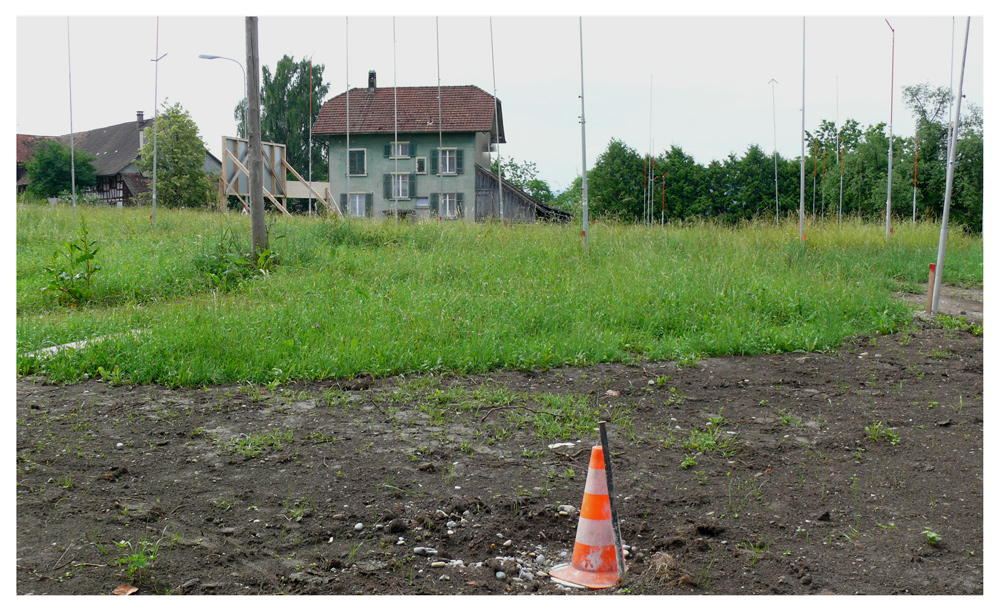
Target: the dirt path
(855, 472)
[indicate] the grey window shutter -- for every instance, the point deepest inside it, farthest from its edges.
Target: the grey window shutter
(343, 204)
(413, 185)
(412, 149)
(434, 204)
(387, 150)
(459, 207)
(369, 204)
(387, 186)
(458, 161)
(434, 161)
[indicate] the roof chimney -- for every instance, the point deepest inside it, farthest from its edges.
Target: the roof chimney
(138, 122)
(371, 81)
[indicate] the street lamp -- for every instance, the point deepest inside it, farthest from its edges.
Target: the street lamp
(212, 57)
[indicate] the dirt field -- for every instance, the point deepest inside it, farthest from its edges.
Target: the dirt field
(855, 472)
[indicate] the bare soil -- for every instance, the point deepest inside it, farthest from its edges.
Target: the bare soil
(416, 485)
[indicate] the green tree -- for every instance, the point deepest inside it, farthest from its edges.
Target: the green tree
(967, 190)
(180, 156)
(682, 182)
(616, 184)
(49, 170)
(524, 176)
(285, 118)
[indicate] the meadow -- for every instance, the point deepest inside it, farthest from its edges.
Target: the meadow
(178, 303)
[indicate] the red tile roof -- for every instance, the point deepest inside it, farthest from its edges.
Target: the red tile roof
(464, 108)
(26, 145)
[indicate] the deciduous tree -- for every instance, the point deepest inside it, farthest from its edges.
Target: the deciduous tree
(49, 170)
(181, 179)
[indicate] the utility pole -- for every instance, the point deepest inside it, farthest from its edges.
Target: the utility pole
(258, 227)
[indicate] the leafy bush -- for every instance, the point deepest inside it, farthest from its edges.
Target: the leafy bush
(72, 269)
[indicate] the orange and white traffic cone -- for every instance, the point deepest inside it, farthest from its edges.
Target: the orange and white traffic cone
(594, 564)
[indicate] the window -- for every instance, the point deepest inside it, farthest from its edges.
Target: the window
(421, 165)
(357, 162)
(357, 205)
(400, 186)
(449, 206)
(448, 161)
(399, 150)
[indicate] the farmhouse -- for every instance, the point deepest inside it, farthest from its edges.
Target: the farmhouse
(115, 149)
(402, 151)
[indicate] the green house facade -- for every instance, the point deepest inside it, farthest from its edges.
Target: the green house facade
(401, 152)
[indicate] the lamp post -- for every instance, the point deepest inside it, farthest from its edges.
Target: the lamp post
(212, 57)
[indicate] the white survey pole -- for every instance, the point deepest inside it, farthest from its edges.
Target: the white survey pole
(943, 239)
(583, 141)
(892, 87)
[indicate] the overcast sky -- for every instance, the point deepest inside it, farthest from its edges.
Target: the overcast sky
(706, 76)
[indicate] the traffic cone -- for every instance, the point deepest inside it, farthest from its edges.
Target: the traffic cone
(594, 562)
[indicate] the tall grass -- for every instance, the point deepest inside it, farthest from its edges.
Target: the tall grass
(359, 296)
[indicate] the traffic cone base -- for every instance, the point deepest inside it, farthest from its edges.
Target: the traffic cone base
(594, 564)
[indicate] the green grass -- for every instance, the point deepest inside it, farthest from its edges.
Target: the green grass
(347, 298)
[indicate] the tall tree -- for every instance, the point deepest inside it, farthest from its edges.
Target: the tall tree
(49, 170)
(181, 179)
(285, 118)
(616, 183)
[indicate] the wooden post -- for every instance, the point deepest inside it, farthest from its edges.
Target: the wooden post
(930, 288)
(258, 227)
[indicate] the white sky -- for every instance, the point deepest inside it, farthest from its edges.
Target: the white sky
(708, 76)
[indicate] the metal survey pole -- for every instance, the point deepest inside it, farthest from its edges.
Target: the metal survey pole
(310, 136)
(615, 528)
(72, 154)
(347, 115)
(943, 239)
(395, 127)
(156, 110)
(496, 120)
(892, 87)
(916, 149)
(802, 158)
(774, 119)
(583, 141)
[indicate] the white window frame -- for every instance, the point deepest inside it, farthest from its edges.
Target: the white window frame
(448, 205)
(356, 200)
(420, 165)
(394, 149)
(452, 153)
(399, 180)
(365, 169)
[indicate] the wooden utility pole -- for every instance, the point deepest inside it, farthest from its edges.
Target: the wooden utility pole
(258, 227)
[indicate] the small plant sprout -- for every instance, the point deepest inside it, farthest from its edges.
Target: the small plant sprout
(689, 462)
(931, 538)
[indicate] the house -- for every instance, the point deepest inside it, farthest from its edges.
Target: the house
(403, 152)
(115, 149)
